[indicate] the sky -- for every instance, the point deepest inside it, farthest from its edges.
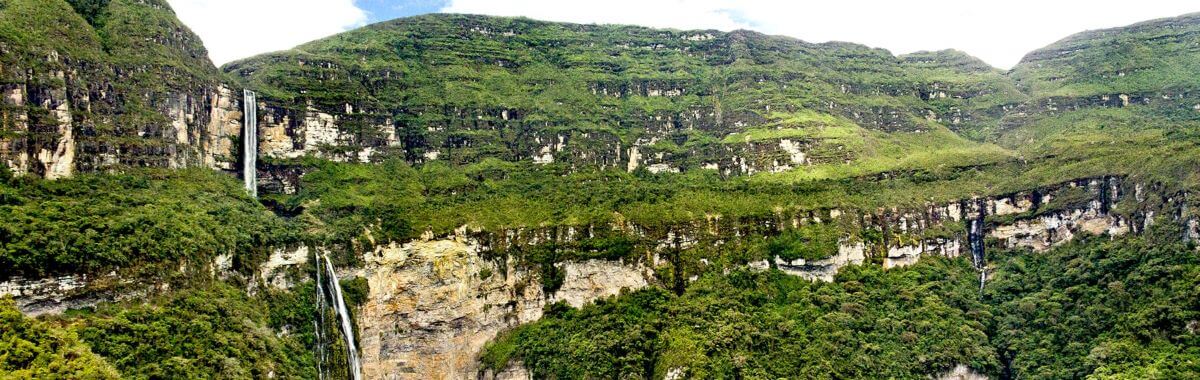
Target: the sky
(998, 31)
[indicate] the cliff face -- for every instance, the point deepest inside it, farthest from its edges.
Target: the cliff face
(459, 89)
(96, 88)
(108, 84)
(435, 303)
(112, 84)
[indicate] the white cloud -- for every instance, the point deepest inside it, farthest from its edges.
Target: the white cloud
(998, 31)
(234, 29)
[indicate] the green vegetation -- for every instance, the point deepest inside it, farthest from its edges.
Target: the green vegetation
(212, 331)
(801, 124)
(32, 349)
(1099, 308)
(1144, 58)
(871, 323)
(809, 242)
(1096, 308)
(473, 87)
(96, 222)
(876, 132)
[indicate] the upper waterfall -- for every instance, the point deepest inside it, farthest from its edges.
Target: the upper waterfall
(250, 142)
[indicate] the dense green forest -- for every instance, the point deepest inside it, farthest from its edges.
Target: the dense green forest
(1097, 308)
(870, 323)
(34, 349)
(141, 219)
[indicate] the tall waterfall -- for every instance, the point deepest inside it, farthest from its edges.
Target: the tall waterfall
(975, 236)
(339, 306)
(250, 142)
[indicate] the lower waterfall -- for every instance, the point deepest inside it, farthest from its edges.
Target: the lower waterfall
(319, 322)
(338, 302)
(250, 142)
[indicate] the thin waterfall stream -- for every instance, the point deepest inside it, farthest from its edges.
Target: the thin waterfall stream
(319, 322)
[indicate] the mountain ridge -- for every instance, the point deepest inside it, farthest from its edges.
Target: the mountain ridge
(504, 197)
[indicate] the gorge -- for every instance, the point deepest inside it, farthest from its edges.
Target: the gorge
(457, 196)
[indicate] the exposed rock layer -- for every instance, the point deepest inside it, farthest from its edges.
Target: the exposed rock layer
(434, 304)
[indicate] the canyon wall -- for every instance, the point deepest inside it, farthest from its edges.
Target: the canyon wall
(199, 128)
(97, 86)
(434, 304)
(435, 301)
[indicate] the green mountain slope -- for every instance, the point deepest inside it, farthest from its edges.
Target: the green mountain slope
(1125, 99)
(690, 156)
(1153, 57)
(463, 88)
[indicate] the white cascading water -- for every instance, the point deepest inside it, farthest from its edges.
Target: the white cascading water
(319, 323)
(250, 142)
(339, 304)
(975, 244)
(320, 351)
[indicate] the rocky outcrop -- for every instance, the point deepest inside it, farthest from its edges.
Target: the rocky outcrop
(588, 280)
(351, 135)
(514, 371)
(55, 295)
(199, 132)
(1038, 220)
(824, 269)
(47, 295)
(274, 273)
(1089, 215)
(433, 304)
(80, 98)
(962, 372)
(287, 133)
(224, 127)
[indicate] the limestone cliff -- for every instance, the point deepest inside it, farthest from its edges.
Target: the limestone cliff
(463, 88)
(434, 304)
(122, 84)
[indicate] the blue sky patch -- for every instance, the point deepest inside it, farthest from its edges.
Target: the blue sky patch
(383, 10)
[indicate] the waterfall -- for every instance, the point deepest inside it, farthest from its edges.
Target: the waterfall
(319, 322)
(975, 240)
(339, 305)
(975, 237)
(250, 142)
(320, 351)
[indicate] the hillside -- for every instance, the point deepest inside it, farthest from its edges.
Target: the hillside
(92, 85)
(1127, 97)
(460, 88)
(460, 196)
